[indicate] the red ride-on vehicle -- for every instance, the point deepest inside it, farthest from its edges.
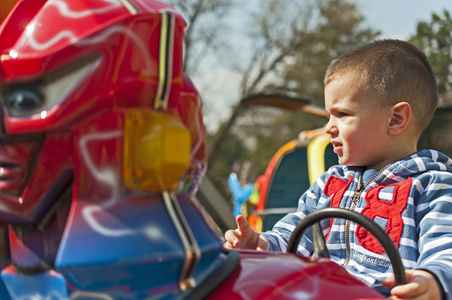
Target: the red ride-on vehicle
(101, 152)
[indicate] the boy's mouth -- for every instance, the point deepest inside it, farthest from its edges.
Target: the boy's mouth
(337, 146)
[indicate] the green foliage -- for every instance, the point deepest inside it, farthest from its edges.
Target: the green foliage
(294, 43)
(435, 39)
(339, 30)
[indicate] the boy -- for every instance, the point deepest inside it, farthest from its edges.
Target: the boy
(379, 97)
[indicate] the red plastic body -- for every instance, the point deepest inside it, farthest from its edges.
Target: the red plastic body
(266, 275)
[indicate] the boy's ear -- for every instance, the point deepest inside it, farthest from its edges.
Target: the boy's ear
(400, 117)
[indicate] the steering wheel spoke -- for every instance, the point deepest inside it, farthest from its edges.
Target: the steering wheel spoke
(320, 249)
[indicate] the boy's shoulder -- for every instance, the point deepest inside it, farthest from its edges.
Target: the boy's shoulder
(428, 172)
(423, 162)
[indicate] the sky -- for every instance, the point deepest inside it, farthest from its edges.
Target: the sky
(393, 18)
(398, 18)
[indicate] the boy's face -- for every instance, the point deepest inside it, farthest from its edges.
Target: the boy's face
(357, 124)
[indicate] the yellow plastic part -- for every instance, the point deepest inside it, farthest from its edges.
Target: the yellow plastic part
(316, 156)
(156, 150)
(254, 198)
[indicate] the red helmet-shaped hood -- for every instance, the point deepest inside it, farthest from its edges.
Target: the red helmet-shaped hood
(69, 71)
(61, 50)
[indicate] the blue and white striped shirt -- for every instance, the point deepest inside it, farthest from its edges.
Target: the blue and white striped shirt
(411, 200)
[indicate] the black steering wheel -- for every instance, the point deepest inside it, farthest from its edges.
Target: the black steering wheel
(320, 249)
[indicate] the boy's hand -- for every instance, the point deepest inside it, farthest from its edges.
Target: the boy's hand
(420, 285)
(244, 237)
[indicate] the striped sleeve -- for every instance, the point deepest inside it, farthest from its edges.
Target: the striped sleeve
(308, 202)
(434, 219)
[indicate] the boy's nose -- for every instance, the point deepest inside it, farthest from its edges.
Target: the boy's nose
(330, 128)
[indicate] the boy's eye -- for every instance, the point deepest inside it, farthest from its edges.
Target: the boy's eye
(341, 114)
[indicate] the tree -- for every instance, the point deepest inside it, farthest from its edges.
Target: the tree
(294, 41)
(435, 39)
(290, 44)
(338, 30)
(203, 34)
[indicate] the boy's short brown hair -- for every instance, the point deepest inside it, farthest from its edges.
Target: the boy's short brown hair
(392, 71)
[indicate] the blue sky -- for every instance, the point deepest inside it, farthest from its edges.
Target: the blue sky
(398, 18)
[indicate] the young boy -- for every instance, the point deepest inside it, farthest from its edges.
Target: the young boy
(379, 97)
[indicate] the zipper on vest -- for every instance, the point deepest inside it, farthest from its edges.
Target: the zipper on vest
(355, 199)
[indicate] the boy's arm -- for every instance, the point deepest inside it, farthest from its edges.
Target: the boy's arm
(434, 224)
(276, 240)
(279, 236)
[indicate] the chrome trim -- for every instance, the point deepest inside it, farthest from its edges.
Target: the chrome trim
(131, 7)
(192, 251)
(165, 61)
